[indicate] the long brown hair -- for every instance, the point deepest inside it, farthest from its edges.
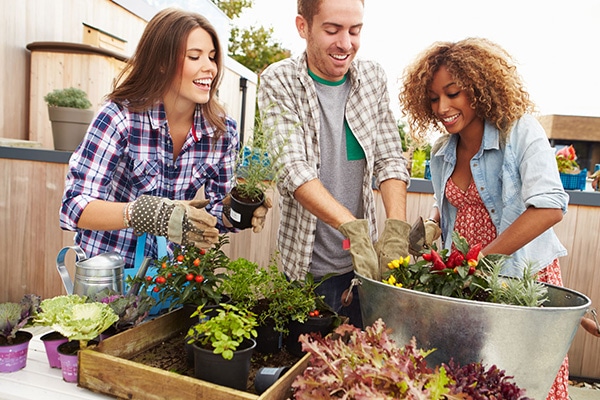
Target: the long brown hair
(157, 59)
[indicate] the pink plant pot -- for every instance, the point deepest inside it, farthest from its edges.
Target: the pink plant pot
(13, 357)
(51, 342)
(69, 362)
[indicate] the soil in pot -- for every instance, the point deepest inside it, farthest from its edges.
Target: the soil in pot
(242, 209)
(13, 356)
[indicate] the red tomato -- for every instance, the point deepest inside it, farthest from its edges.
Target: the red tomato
(149, 278)
(180, 258)
(155, 289)
(199, 278)
(196, 262)
(189, 277)
(316, 312)
(161, 279)
(202, 251)
(164, 265)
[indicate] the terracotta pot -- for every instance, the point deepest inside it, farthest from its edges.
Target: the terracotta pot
(13, 357)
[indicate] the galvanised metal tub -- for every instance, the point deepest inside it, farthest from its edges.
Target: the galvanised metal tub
(529, 343)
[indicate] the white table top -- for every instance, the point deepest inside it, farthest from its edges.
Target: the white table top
(38, 381)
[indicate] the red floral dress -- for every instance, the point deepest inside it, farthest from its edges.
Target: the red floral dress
(474, 224)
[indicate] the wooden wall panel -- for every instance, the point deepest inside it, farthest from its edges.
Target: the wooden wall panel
(30, 239)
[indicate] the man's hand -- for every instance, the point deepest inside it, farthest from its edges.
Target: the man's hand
(393, 243)
(180, 221)
(363, 254)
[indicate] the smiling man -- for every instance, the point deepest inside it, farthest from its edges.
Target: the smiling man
(333, 111)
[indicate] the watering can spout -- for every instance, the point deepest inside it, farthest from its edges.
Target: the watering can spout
(104, 271)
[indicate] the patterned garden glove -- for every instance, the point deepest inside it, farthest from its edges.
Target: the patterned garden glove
(182, 222)
(393, 243)
(363, 254)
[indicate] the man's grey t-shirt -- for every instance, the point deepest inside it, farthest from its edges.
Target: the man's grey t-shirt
(341, 175)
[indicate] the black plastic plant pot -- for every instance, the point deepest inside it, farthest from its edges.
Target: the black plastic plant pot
(214, 368)
(240, 214)
(322, 324)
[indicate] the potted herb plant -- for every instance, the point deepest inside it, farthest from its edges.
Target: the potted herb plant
(79, 321)
(14, 342)
(257, 168)
(310, 313)
(223, 344)
(70, 114)
(368, 364)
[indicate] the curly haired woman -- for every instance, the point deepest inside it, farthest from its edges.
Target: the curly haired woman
(494, 173)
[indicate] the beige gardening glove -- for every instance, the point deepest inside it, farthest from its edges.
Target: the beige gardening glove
(180, 221)
(422, 236)
(392, 244)
(258, 216)
(363, 253)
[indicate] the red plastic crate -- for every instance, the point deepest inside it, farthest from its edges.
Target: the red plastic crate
(574, 181)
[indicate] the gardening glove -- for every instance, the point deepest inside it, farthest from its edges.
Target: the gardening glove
(258, 216)
(363, 254)
(422, 235)
(392, 244)
(181, 221)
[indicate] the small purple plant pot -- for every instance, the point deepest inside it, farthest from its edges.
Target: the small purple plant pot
(13, 357)
(51, 342)
(69, 362)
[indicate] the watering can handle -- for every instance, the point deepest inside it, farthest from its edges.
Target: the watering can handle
(62, 269)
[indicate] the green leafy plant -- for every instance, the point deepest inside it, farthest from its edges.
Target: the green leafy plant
(75, 318)
(462, 273)
(259, 162)
(191, 276)
(131, 309)
(69, 97)
(367, 364)
(270, 295)
(224, 331)
(15, 316)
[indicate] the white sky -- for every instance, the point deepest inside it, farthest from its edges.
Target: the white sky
(555, 42)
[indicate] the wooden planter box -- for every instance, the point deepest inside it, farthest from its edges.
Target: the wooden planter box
(107, 368)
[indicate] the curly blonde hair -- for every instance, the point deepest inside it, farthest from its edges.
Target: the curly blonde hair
(481, 68)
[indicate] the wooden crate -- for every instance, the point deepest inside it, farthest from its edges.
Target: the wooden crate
(107, 368)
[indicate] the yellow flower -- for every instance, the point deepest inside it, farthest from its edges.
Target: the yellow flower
(394, 264)
(392, 280)
(472, 262)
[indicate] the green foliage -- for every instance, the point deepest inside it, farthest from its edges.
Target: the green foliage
(268, 293)
(70, 97)
(225, 331)
(259, 163)
(255, 47)
(75, 318)
(233, 8)
(191, 276)
(15, 316)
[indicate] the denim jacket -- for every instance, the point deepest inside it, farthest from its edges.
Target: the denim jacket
(509, 177)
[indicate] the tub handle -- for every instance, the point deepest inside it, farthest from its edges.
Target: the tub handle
(595, 317)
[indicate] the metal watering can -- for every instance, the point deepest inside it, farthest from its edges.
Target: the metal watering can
(91, 274)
